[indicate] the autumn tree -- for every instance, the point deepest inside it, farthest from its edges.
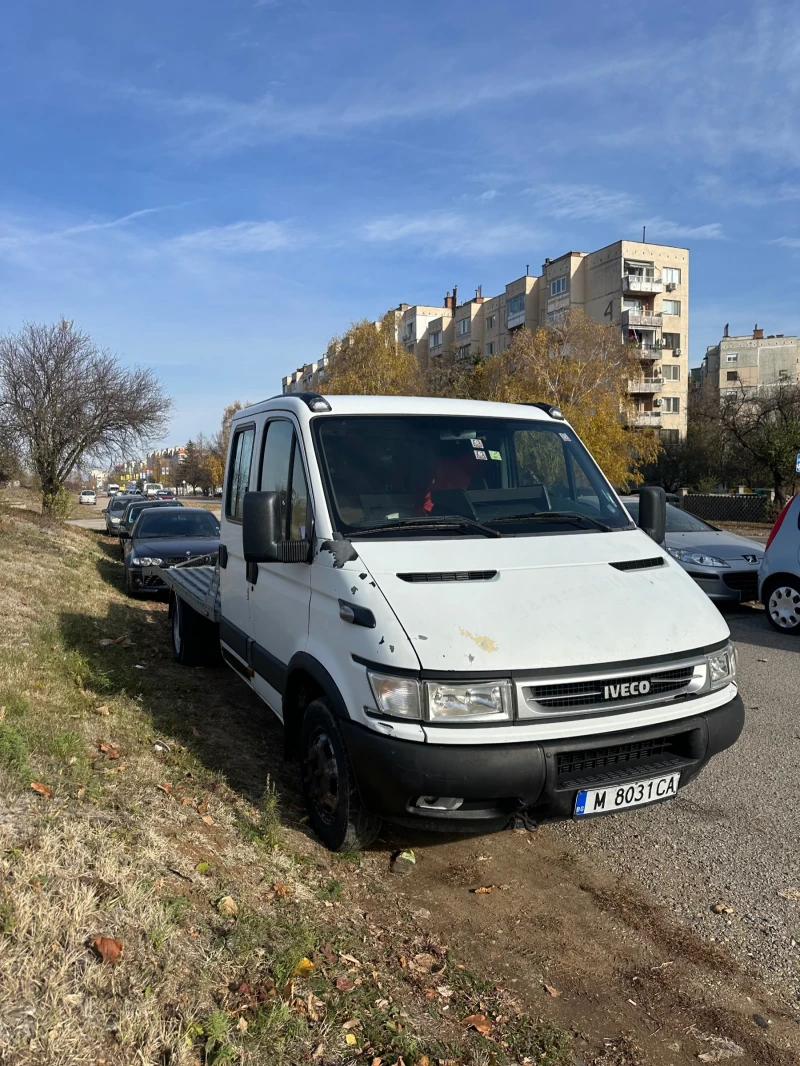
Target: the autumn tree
(583, 367)
(63, 399)
(220, 442)
(198, 469)
(368, 360)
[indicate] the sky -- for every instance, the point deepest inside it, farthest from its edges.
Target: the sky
(214, 188)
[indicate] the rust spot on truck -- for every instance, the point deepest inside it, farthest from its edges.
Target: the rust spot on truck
(484, 643)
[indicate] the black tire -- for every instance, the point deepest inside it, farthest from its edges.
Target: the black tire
(130, 588)
(187, 643)
(335, 811)
(782, 605)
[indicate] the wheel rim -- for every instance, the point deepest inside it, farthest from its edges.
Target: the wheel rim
(322, 777)
(784, 607)
(176, 630)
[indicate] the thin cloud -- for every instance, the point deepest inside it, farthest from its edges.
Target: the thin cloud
(239, 238)
(584, 203)
(449, 233)
(659, 227)
(20, 235)
(786, 242)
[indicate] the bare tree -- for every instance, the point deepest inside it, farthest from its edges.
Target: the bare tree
(62, 399)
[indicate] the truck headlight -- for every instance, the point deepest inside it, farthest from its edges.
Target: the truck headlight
(721, 668)
(683, 555)
(480, 700)
(396, 696)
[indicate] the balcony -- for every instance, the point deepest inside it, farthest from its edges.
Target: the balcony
(641, 320)
(645, 283)
(514, 319)
(645, 384)
(645, 419)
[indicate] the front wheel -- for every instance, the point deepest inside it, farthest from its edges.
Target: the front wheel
(335, 811)
(782, 602)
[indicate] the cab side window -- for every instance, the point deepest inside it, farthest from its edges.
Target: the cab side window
(282, 472)
(239, 472)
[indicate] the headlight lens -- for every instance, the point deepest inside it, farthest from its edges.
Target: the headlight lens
(722, 668)
(115, 521)
(146, 560)
(683, 555)
(481, 700)
(396, 696)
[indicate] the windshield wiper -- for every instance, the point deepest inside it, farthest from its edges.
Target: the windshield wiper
(565, 516)
(431, 522)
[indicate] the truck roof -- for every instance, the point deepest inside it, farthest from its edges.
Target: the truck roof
(298, 403)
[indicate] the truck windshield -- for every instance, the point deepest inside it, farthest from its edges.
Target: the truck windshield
(397, 474)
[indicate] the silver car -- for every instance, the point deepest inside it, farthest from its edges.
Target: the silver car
(779, 576)
(723, 564)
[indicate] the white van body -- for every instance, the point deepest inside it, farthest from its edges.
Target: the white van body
(453, 681)
(152, 487)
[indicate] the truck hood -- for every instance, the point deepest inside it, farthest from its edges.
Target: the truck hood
(552, 601)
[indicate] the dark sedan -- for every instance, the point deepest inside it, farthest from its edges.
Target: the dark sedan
(165, 537)
(132, 512)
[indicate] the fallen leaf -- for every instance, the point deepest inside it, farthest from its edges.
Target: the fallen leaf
(103, 710)
(315, 1007)
(208, 819)
(109, 949)
(353, 1023)
(319, 1051)
(136, 666)
(344, 984)
(350, 959)
(552, 991)
(227, 907)
(722, 908)
(423, 1061)
(287, 991)
(241, 1025)
(2, 713)
(43, 790)
(350, 1038)
(108, 750)
(303, 968)
(790, 893)
(426, 963)
(202, 867)
(281, 890)
(484, 890)
(479, 1022)
(166, 787)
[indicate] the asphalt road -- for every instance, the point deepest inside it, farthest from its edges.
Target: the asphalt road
(733, 836)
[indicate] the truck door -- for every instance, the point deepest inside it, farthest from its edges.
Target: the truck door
(235, 620)
(280, 593)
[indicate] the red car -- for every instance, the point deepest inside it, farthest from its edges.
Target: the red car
(164, 495)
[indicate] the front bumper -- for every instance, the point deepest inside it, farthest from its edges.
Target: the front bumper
(730, 585)
(539, 780)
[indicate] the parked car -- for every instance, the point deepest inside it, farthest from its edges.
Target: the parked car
(88, 496)
(454, 617)
(723, 564)
(152, 488)
(165, 494)
(165, 537)
(131, 513)
(113, 512)
(113, 489)
(779, 576)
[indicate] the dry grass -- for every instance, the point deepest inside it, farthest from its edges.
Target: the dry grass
(141, 836)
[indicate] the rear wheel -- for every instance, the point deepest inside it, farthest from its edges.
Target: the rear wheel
(335, 811)
(782, 602)
(195, 640)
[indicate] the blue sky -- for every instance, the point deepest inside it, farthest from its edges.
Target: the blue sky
(213, 189)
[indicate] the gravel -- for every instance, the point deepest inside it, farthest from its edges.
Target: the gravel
(733, 836)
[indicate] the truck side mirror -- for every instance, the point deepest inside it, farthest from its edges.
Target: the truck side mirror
(653, 512)
(261, 527)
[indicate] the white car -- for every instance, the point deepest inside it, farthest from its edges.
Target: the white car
(88, 496)
(779, 576)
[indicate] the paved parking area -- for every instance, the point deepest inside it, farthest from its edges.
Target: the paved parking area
(732, 837)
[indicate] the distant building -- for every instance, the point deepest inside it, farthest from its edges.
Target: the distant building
(750, 362)
(643, 288)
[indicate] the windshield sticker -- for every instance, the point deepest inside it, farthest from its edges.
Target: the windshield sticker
(495, 455)
(565, 436)
(477, 443)
(480, 454)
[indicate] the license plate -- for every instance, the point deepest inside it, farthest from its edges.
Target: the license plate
(632, 794)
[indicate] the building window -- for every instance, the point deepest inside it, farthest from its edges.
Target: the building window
(631, 303)
(408, 331)
(783, 375)
(671, 307)
(670, 436)
(671, 373)
(463, 327)
(558, 286)
(516, 304)
(732, 375)
(462, 352)
(732, 357)
(435, 339)
(671, 275)
(671, 405)
(490, 321)
(490, 348)
(671, 341)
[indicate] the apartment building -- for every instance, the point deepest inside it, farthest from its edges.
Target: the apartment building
(643, 288)
(750, 362)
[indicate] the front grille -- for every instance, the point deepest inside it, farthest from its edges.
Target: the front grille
(744, 582)
(195, 560)
(618, 759)
(583, 693)
(452, 575)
